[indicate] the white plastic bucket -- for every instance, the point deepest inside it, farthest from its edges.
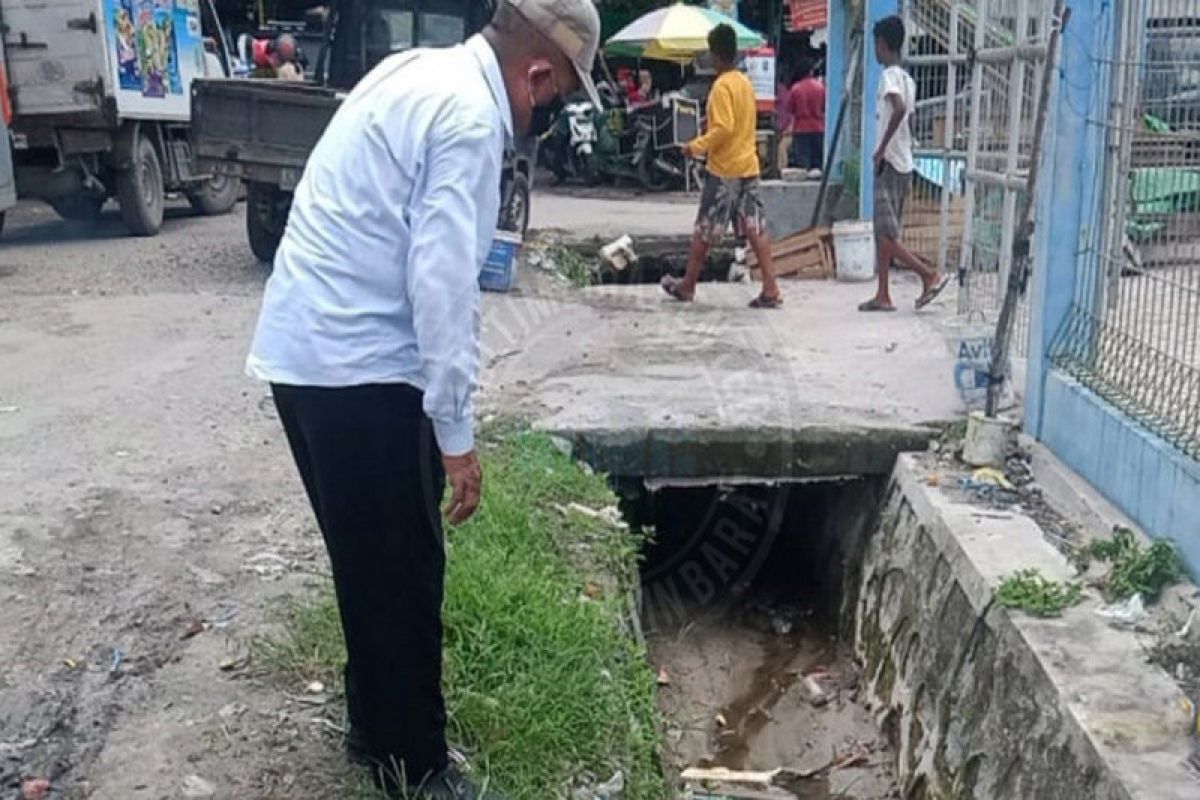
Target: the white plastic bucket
(854, 246)
(987, 440)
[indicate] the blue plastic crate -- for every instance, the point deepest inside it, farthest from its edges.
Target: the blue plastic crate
(500, 269)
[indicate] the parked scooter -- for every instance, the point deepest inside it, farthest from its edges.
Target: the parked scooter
(639, 146)
(570, 146)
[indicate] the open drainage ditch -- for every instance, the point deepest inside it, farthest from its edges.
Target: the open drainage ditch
(747, 611)
(657, 256)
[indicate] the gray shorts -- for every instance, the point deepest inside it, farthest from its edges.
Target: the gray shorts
(726, 200)
(891, 188)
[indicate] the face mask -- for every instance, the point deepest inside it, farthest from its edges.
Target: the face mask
(543, 117)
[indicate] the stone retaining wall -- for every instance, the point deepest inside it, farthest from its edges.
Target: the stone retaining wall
(984, 703)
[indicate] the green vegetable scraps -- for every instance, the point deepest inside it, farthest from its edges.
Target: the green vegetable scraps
(1135, 569)
(1029, 591)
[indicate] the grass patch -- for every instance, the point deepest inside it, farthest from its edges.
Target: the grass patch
(573, 266)
(544, 682)
(1035, 594)
(1134, 569)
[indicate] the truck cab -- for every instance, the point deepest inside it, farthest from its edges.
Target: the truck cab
(263, 131)
(100, 93)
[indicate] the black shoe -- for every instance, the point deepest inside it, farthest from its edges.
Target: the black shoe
(450, 784)
(357, 751)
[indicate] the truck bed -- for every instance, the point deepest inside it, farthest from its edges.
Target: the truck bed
(257, 129)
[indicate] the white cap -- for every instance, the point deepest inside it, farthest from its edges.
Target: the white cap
(574, 28)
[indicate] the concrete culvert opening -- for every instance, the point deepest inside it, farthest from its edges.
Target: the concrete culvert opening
(747, 611)
(658, 256)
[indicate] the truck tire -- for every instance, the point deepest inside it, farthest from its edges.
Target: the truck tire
(266, 218)
(78, 207)
(218, 195)
(140, 190)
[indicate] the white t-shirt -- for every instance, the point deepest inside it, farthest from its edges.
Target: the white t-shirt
(895, 80)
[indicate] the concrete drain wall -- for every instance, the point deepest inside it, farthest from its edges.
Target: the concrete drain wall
(961, 699)
(742, 596)
(983, 703)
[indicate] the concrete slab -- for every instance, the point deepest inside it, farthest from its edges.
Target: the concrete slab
(788, 205)
(658, 388)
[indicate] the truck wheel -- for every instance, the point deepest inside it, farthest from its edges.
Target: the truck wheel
(140, 190)
(78, 207)
(218, 195)
(266, 218)
(514, 216)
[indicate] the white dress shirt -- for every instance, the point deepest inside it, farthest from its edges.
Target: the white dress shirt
(376, 279)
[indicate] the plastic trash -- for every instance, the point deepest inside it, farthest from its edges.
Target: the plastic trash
(1126, 612)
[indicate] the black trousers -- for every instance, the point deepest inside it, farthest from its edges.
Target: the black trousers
(808, 150)
(373, 472)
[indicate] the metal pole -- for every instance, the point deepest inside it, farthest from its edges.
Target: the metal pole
(966, 254)
(1016, 93)
(851, 73)
(1021, 241)
(1111, 237)
(948, 142)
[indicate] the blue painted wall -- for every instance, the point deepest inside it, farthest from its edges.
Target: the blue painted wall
(1151, 481)
(876, 10)
(1067, 200)
(835, 77)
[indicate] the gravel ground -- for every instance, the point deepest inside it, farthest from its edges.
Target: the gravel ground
(150, 516)
(149, 519)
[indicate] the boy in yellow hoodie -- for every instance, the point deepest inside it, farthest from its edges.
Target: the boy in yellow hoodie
(730, 191)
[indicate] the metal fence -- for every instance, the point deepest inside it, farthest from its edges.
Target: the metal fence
(978, 66)
(1133, 333)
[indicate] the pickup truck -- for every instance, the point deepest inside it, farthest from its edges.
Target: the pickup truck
(99, 93)
(262, 131)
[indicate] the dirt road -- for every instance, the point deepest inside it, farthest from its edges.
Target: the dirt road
(150, 517)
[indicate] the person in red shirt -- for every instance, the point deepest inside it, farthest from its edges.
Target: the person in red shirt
(807, 102)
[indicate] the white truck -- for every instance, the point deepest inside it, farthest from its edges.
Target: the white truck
(101, 101)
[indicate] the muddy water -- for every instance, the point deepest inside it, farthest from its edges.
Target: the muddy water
(737, 697)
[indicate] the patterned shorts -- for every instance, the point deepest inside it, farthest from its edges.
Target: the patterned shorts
(891, 188)
(726, 200)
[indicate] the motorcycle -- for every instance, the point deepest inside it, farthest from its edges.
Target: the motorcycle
(639, 145)
(626, 146)
(571, 143)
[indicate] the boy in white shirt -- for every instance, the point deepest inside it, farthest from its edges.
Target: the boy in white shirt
(895, 100)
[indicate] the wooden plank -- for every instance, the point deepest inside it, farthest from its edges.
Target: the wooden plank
(796, 242)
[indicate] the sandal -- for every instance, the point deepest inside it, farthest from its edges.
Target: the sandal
(874, 305)
(762, 301)
(671, 284)
(929, 295)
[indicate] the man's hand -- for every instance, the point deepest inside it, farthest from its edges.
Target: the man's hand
(688, 150)
(465, 479)
(878, 161)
